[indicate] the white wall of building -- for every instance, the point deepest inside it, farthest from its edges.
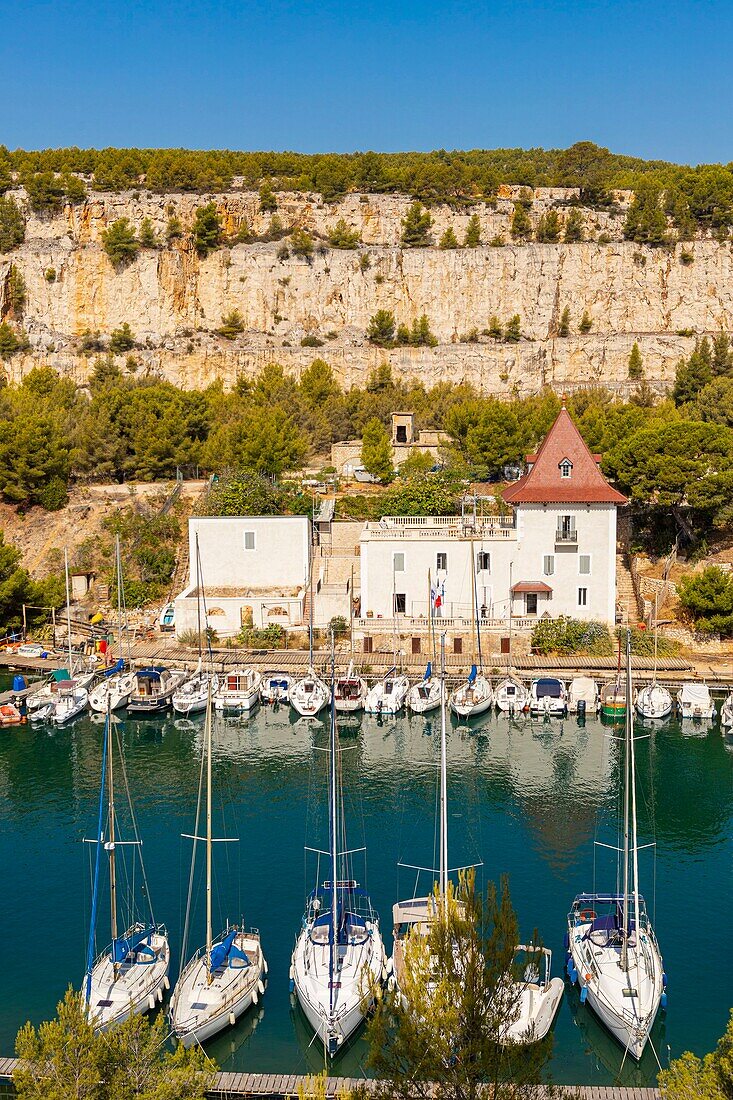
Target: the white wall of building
(250, 551)
(398, 559)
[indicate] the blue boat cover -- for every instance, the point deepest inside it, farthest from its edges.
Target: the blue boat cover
(152, 673)
(428, 671)
(118, 666)
(472, 674)
(548, 687)
(124, 946)
(225, 950)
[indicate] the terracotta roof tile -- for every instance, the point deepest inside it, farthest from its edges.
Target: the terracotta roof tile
(531, 586)
(543, 483)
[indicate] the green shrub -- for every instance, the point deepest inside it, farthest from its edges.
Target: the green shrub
(231, 325)
(301, 244)
(567, 635)
(268, 637)
(708, 599)
(343, 236)
(122, 339)
(416, 227)
(206, 229)
(311, 341)
(147, 236)
(120, 243)
(174, 229)
(381, 328)
(12, 224)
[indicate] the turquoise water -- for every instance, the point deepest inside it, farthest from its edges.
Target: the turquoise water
(526, 798)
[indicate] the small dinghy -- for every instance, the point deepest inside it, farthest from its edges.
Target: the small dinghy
(613, 701)
(474, 697)
(536, 997)
(71, 701)
(350, 692)
(548, 697)
(387, 696)
(511, 696)
(654, 701)
(276, 687)
(309, 696)
(695, 701)
(425, 695)
(583, 697)
(726, 712)
(9, 715)
(238, 691)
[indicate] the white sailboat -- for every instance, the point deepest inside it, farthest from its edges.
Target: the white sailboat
(192, 696)
(72, 696)
(388, 695)
(612, 951)
(114, 690)
(654, 700)
(338, 959)
(350, 692)
(227, 974)
(726, 711)
(129, 977)
(474, 697)
(425, 696)
(309, 695)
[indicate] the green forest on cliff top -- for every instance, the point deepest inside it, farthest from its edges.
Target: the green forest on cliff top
(457, 177)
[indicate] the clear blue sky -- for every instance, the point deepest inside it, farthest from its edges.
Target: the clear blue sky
(647, 78)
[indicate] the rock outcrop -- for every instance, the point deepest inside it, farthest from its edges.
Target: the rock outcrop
(174, 300)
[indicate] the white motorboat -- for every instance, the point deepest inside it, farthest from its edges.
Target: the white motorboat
(71, 701)
(227, 974)
(192, 695)
(112, 692)
(424, 696)
(548, 697)
(238, 691)
(310, 695)
(276, 687)
(726, 711)
(387, 696)
(350, 692)
(474, 697)
(583, 696)
(339, 935)
(511, 696)
(535, 998)
(654, 701)
(612, 951)
(154, 689)
(695, 701)
(130, 976)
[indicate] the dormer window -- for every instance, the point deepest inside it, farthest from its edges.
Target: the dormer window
(566, 468)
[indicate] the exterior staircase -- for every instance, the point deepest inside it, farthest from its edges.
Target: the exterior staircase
(627, 604)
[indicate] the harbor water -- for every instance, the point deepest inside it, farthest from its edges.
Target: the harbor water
(527, 798)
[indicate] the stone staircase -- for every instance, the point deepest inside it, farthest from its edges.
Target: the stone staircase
(627, 605)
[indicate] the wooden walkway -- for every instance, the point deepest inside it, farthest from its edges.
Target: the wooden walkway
(278, 1086)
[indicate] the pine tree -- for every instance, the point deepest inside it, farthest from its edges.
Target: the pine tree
(416, 227)
(381, 328)
(120, 242)
(122, 339)
(207, 229)
(12, 224)
(563, 329)
(473, 232)
(495, 330)
(574, 227)
(512, 333)
(521, 228)
(585, 323)
(722, 361)
(376, 451)
(174, 229)
(449, 239)
(268, 202)
(636, 366)
(147, 235)
(343, 236)
(548, 227)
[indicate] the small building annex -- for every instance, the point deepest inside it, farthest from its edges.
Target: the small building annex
(553, 554)
(254, 571)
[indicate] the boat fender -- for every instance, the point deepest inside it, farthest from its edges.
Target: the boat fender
(166, 983)
(573, 975)
(255, 998)
(260, 987)
(160, 995)
(566, 941)
(583, 995)
(232, 1019)
(390, 965)
(664, 980)
(291, 972)
(151, 1001)
(265, 966)
(291, 986)
(663, 1000)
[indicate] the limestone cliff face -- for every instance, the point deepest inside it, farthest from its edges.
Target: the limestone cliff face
(174, 300)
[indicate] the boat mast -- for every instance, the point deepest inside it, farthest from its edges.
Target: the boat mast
(198, 597)
(119, 592)
(510, 601)
(95, 892)
(209, 934)
(656, 627)
(627, 807)
(443, 786)
(431, 623)
(68, 605)
(475, 608)
(632, 769)
(310, 599)
(333, 819)
(111, 841)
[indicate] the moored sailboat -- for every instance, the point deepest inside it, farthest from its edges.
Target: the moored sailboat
(192, 695)
(654, 700)
(130, 976)
(511, 696)
(338, 958)
(113, 691)
(425, 695)
(227, 974)
(474, 697)
(350, 692)
(612, 950)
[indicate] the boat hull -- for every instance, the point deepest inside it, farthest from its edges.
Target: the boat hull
(231, 992)
(112, 1002)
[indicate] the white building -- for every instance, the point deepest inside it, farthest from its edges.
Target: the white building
(254, 570)
(555, 554)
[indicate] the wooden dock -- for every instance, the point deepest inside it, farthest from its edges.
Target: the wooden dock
(279, 1086)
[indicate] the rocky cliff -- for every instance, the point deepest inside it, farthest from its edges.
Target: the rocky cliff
(174, 300)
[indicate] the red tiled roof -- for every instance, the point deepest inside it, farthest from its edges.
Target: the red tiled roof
(531, 586)
(543, 483)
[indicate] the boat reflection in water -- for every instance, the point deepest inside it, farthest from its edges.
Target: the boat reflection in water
(600, 1044)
